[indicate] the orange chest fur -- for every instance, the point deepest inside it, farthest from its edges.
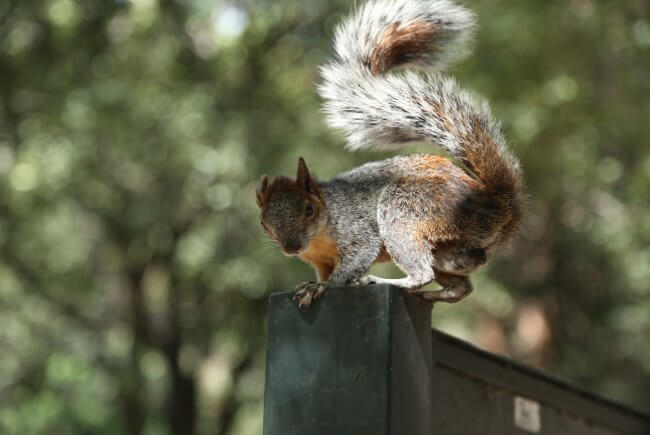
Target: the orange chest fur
(321, 250)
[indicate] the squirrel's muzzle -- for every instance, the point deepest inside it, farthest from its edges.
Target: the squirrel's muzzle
(291, 246)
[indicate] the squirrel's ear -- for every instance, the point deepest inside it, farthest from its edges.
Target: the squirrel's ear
(260, 191)
(303, 179)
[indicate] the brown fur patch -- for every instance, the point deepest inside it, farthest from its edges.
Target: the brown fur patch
(399, 44)
(438, 230)
(289, 185)
(503, 183)
(486, 211)
(323, 271)
(484, 157)
(383, 256)
(322, 253)
(438, 189)
(440, 113)
(481, 153)
(426, 164)
(441, 170)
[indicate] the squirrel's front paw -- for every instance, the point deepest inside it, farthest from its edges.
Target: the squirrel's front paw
(307, 292)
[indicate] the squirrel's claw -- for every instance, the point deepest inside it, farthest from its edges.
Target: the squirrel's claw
(307, 292)
(304, 285)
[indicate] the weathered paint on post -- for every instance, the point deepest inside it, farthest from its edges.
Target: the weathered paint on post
(357, 362)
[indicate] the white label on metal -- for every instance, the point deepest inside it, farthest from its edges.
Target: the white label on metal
(527, 415)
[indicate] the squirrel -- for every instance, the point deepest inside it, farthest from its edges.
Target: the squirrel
(434, 219)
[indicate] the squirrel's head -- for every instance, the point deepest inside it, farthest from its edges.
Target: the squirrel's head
(292, 211)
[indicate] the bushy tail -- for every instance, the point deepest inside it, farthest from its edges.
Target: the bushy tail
(376, 108)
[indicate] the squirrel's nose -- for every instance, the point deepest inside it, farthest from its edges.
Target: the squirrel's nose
(292, 246)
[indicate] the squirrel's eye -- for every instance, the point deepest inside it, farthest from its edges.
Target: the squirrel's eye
(309, 210)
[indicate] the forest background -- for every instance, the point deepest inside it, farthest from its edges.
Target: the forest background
(134, 273)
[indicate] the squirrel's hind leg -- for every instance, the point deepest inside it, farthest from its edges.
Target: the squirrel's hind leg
(454, 289)
(410, 253)
(457, 258)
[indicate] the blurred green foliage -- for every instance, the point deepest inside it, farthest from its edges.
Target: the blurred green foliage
(133, 272)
